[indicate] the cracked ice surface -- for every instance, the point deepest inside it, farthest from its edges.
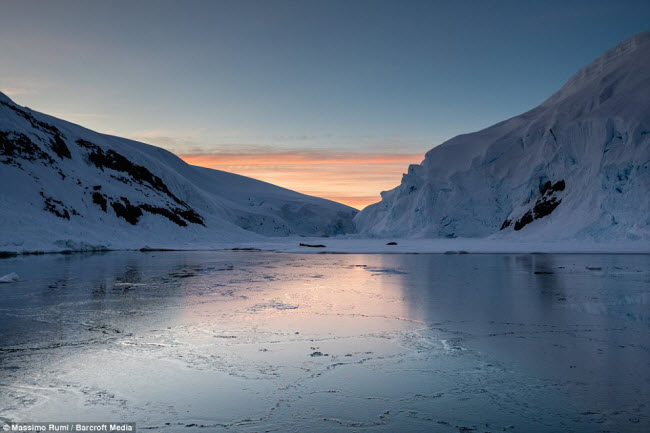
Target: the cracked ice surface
(257, 341)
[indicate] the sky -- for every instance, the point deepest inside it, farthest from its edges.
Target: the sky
(329, 98)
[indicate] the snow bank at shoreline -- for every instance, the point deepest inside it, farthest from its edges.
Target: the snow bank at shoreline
(343, 245)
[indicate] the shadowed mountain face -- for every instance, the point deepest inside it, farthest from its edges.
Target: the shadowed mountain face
(65, 187)
(577, 166)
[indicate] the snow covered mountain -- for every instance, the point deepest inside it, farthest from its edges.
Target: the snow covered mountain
(576, 167)
(65, 187)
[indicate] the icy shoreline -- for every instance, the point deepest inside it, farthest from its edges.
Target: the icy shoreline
(345, 245)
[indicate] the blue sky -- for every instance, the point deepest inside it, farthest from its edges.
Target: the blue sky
(264, 77)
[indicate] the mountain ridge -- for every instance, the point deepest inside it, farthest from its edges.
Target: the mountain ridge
(63, 186)
(591, 134)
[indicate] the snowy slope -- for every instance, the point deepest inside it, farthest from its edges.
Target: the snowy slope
(65, 187)
(576, 167)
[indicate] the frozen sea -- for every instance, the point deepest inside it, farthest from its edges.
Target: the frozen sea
(259, 341)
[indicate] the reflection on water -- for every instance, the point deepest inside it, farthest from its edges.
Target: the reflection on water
(251, 341)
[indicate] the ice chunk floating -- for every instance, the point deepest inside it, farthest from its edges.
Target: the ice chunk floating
(9, 278)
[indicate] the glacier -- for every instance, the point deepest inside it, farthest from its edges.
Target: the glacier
(574, 168)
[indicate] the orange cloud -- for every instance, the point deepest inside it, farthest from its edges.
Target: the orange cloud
(347, 177)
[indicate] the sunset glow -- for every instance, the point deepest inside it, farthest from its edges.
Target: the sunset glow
(351, 178)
